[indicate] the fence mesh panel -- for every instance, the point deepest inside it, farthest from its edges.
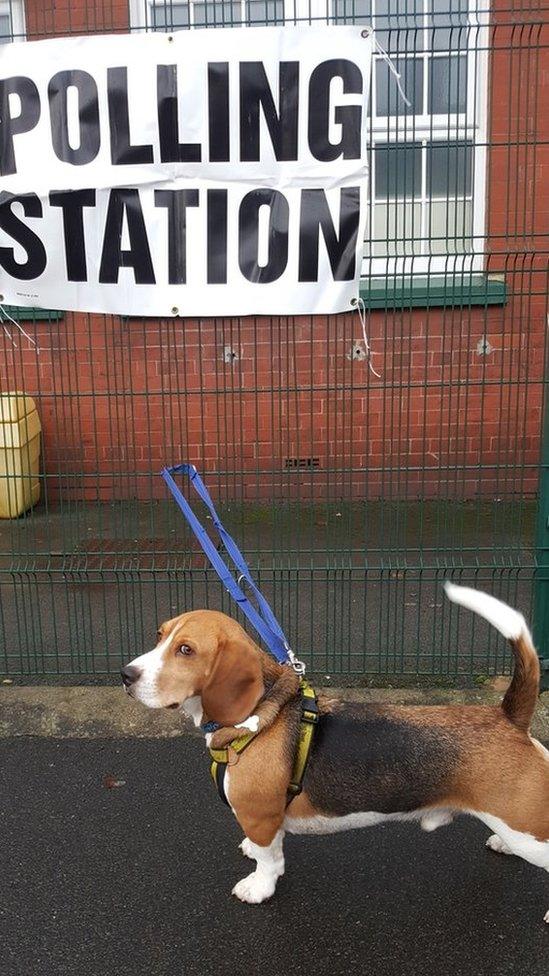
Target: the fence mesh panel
(354, 483)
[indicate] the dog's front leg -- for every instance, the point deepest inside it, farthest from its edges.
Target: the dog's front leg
(246, 846)
(261, 883)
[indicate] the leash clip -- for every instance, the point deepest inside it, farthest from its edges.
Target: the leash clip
(298, 666)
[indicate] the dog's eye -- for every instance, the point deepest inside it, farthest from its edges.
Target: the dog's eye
(184, 650)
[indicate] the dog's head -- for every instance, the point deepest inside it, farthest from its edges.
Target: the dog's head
(202, 653)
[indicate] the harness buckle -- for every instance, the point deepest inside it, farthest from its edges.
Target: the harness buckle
(294, 789)
(309, 708)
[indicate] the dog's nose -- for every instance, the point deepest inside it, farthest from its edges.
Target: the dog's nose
(129, 675)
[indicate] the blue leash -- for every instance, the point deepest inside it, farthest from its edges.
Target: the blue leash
(263, 620)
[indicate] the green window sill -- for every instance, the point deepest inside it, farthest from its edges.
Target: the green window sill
(438, 291)
(390, 292)
(20, 314)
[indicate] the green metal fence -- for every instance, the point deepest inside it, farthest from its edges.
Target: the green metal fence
(354, 483)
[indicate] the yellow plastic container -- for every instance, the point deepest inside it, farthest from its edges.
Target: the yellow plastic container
(19, 454)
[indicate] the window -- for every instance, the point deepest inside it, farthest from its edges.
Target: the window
(166, 15)
(427, 170)
(12, 21)
(428, 160)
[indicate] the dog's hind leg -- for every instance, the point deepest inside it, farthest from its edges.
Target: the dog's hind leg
(495, 843)
(516, 842)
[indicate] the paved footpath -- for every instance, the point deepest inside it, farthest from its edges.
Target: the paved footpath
(98, 879)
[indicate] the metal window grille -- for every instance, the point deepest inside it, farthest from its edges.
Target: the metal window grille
(353, 495)
(12, 25)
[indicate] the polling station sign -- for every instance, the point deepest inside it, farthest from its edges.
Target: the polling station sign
(206, 172)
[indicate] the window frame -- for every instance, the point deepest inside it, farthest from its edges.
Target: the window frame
(141, 17)
(428, 129)
(15, 9)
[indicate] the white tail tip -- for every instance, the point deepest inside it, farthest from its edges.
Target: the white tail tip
(509, 622)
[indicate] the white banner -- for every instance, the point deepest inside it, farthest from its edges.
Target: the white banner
(204, 173)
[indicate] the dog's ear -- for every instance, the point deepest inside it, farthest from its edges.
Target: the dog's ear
(235, 683)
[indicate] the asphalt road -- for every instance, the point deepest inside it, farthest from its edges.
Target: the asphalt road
(136, 879)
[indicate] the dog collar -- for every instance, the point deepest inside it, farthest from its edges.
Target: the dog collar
(251, 724)
(209, 728)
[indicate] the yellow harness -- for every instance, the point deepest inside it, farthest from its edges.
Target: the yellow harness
(221, 758)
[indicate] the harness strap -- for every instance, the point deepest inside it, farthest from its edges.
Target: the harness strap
(309, 719)
(217, 769)
(237, 745)
(221, 759)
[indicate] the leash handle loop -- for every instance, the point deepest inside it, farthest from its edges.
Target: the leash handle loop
(264, 620)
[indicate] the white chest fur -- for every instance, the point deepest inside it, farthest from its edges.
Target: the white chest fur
(193, 709)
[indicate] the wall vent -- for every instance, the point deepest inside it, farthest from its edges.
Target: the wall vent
(301, 463)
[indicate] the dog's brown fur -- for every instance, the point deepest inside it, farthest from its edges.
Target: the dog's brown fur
(475, 758)
(281, 685)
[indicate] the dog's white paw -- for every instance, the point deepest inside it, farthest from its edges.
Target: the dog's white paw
(546, 917)
(246, 847)
(495, 843)
(254, 889)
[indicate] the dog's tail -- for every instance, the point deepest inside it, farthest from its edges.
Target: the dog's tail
(520, 698)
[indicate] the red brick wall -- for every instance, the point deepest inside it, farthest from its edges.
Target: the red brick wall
(48, 18)
(119, 398)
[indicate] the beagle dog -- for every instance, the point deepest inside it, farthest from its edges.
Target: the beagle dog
(368, 763)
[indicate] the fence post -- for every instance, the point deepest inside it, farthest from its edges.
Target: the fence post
(541, 572)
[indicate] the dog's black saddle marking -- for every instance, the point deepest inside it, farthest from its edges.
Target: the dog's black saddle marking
(367, 758)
